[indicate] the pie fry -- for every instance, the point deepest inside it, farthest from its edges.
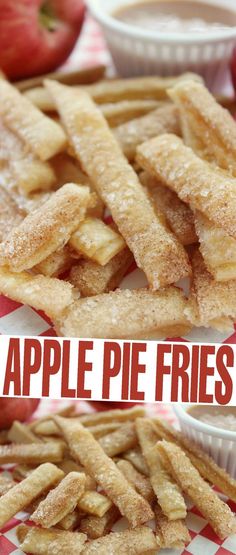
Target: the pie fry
(215, 301)
(134, 542)
(19, 497)
(27, 288)
(126, 110)
(71, 521)
(27, 171)
(95, 240)
(6, 484)
(136, 458)
(135, 314)
(78, 77)
(10, 214)
(110, 416)
(88, 451)
(94, 503)
(207, 124)
(216, 512)
(179, 216)
(155, 248)
(96, 527)
(164, 119)
(140, 482)
(60, 501)
(45, 542)
(173, 534)
(102, 430)
(20, 433)
(56, 263)
(218, 249)
(31, 453)
(168, 493)
(196, 182)
(41, 134)
(47, 229)
(120, 440)
(92, 279)
(206, 466)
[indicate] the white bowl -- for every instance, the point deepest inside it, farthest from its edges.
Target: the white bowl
(220, 444)
(140, 52)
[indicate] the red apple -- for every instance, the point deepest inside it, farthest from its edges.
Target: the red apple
(16, 409)
(233, 68)
(36, 36)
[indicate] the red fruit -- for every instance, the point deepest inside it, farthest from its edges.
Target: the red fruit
(36, 36)
(16, 409)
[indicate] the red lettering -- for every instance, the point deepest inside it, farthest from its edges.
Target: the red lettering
(65, 390)
(205, 372)
(136, 369)
(110, 370)
(84, 366)
(51, 363)
(32, 362)
(224, 352)
(180, 365)
(162, 369)
(13, 368)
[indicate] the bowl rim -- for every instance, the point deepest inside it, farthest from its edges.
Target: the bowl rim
(96, 8)
(182, 415)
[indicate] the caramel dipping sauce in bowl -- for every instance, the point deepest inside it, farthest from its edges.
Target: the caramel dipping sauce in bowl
(213, 428)
(168, 37)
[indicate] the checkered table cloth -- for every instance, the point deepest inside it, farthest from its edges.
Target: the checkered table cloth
(16, 319)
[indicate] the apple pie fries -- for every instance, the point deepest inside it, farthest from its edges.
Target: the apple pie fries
(156, 250)
(67, 510)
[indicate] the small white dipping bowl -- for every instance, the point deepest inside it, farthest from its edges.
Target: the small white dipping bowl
(220, 444)
(141, 52)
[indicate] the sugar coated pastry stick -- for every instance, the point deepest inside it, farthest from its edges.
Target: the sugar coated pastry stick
(120, 440)
(93, 279)
(10, 214)
(96, 240)
(205, 465)
(164, 119)
(32, 453)
(138, 541)
(21, 471)
(208, 127)
(96, 527)
(102, 430)
(215, 301)
(113, 91)
(167, 491)
(20, 433)
(19, 497)
(120, 112)
(71, 521)
(46, 542)
(109, 416)
(179, 216)
(155, 248)
(6, 484)
(27, 171)
(41, 134)
(77, 77)
(46, 229)
(88, 451)
(196, 182)
(94, 503)
(216, 512)
(56, 263)
(60, 501)
(138, 313)
(27, 288)
(136, 458)
(218, 249)
(173, 534)
(140, 482)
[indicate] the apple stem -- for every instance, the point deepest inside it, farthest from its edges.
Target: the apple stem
(47, 18)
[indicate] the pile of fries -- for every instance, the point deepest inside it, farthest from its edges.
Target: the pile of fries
(159, 155)
(77, 475)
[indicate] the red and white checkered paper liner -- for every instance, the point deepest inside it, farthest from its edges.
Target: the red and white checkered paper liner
(16, 319)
